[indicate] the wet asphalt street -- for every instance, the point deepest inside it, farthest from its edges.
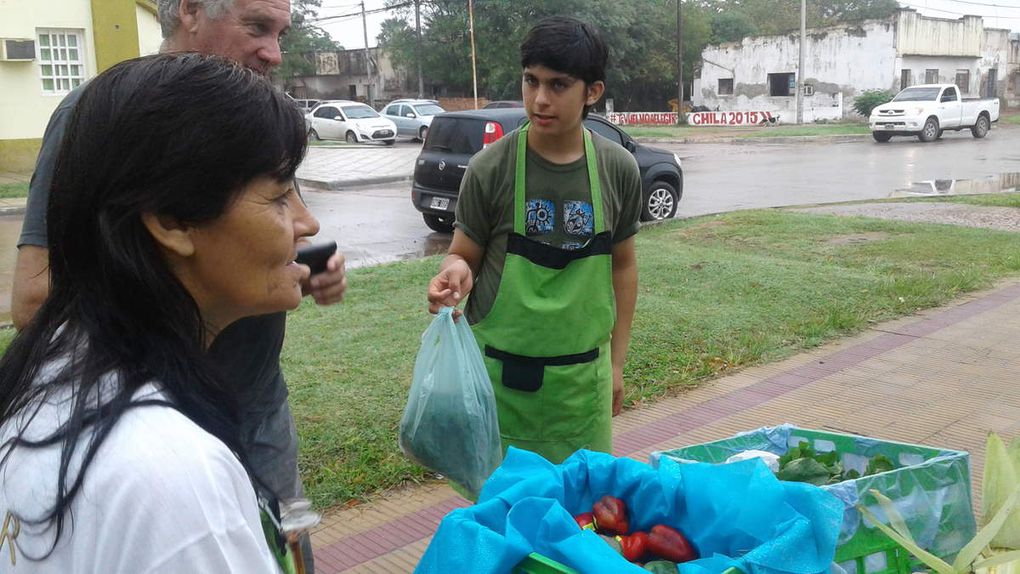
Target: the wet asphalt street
(378, 224)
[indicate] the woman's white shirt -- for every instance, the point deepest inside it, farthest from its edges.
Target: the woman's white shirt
(161, 496)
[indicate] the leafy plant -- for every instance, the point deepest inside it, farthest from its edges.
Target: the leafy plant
(802, 464)
(870, 100)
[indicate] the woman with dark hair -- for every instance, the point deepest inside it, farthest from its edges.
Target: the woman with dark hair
(172, 214)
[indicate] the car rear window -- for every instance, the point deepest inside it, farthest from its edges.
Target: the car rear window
(455, 135)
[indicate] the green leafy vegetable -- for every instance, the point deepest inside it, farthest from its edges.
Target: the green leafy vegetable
(802, 464)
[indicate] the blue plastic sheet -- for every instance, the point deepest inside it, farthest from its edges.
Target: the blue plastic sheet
(735, 515)
(450, 423)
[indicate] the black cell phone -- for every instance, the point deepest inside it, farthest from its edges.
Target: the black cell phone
(316, 256)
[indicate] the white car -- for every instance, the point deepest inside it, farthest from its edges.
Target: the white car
(352, 122)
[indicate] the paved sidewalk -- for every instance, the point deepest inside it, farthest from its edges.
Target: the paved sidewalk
(944, 377)
(349, 166)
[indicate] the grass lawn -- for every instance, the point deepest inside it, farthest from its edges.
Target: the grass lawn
(748, 132)
(8, 190)
(716, 293)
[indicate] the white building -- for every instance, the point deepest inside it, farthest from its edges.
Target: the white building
(841, 62)
(49, 47)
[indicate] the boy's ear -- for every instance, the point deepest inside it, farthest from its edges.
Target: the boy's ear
(595, 91)
(170, 234)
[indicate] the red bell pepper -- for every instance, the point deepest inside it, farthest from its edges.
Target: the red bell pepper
(670, 544)
(586, 521)
(634, 546)
(611, 516)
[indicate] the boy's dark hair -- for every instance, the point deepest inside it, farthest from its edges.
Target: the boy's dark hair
(567, 45)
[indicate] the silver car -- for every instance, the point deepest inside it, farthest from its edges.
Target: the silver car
(412, 117)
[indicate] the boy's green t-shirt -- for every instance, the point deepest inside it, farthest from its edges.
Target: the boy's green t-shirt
(559, 210)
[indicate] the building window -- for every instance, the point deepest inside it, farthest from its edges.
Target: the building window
(906, 79)
(61, 61)
(783, 84)
(963, 81)
(725, 86)
(931, 76)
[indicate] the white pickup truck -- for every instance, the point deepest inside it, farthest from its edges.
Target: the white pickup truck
(928, 110)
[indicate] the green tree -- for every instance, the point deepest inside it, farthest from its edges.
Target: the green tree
(731, 27)
(303, 39)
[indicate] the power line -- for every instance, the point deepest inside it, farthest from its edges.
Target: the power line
(359, 13)
(926, 8)
(986, 5)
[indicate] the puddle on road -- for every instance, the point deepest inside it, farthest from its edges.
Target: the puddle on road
(1002, 183)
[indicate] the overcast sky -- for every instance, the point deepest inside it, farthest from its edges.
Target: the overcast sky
(349, 31)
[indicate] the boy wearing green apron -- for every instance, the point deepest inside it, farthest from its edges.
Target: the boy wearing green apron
(544, 243)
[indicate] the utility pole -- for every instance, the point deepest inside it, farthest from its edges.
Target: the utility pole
(417, 48)
(474, 69)
(680, 120)
(368, 61)
(800, 63)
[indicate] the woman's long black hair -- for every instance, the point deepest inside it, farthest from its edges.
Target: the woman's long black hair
(172, 135)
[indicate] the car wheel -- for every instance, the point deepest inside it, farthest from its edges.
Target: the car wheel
(980, 129)
(423, 133)
(881, 137)
(938, 137)
(660, 203)
(930, 131)
(351, 137)
(442, 224)
(314, 135)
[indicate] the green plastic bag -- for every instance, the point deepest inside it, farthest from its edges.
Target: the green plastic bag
(450, 423)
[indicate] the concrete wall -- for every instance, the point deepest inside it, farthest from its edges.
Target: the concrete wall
(337, 71)
(833, 57)
(834, 63)
(924, 36)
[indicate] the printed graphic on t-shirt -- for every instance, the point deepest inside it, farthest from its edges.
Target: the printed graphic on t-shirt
(578, 218)
(541, 217)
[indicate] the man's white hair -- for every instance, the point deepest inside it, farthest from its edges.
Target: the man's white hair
(170, 17)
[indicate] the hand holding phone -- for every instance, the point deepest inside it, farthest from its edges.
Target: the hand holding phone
(316, 256)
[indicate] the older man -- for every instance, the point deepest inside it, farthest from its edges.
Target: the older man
(248, 352)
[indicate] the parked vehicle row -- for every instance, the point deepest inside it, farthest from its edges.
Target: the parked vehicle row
(456, 136)
(928, 110)
(412, 117)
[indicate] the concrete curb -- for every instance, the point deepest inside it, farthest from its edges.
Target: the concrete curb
(344, 184)
(12, 210)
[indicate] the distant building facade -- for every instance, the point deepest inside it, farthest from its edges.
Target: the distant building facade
(841, 62)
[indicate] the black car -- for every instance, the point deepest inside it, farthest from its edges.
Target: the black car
(456, 136)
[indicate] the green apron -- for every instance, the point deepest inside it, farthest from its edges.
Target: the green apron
(546, 338)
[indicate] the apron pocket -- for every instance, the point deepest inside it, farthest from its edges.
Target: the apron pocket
(524, 373)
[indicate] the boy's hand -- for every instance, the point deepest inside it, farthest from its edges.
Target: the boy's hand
(449, 287)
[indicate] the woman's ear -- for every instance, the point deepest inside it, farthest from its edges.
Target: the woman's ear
(170, 234)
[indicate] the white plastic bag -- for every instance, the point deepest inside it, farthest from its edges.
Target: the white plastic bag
(450, 423)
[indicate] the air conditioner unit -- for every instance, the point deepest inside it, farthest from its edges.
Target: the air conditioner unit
(17, 50)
